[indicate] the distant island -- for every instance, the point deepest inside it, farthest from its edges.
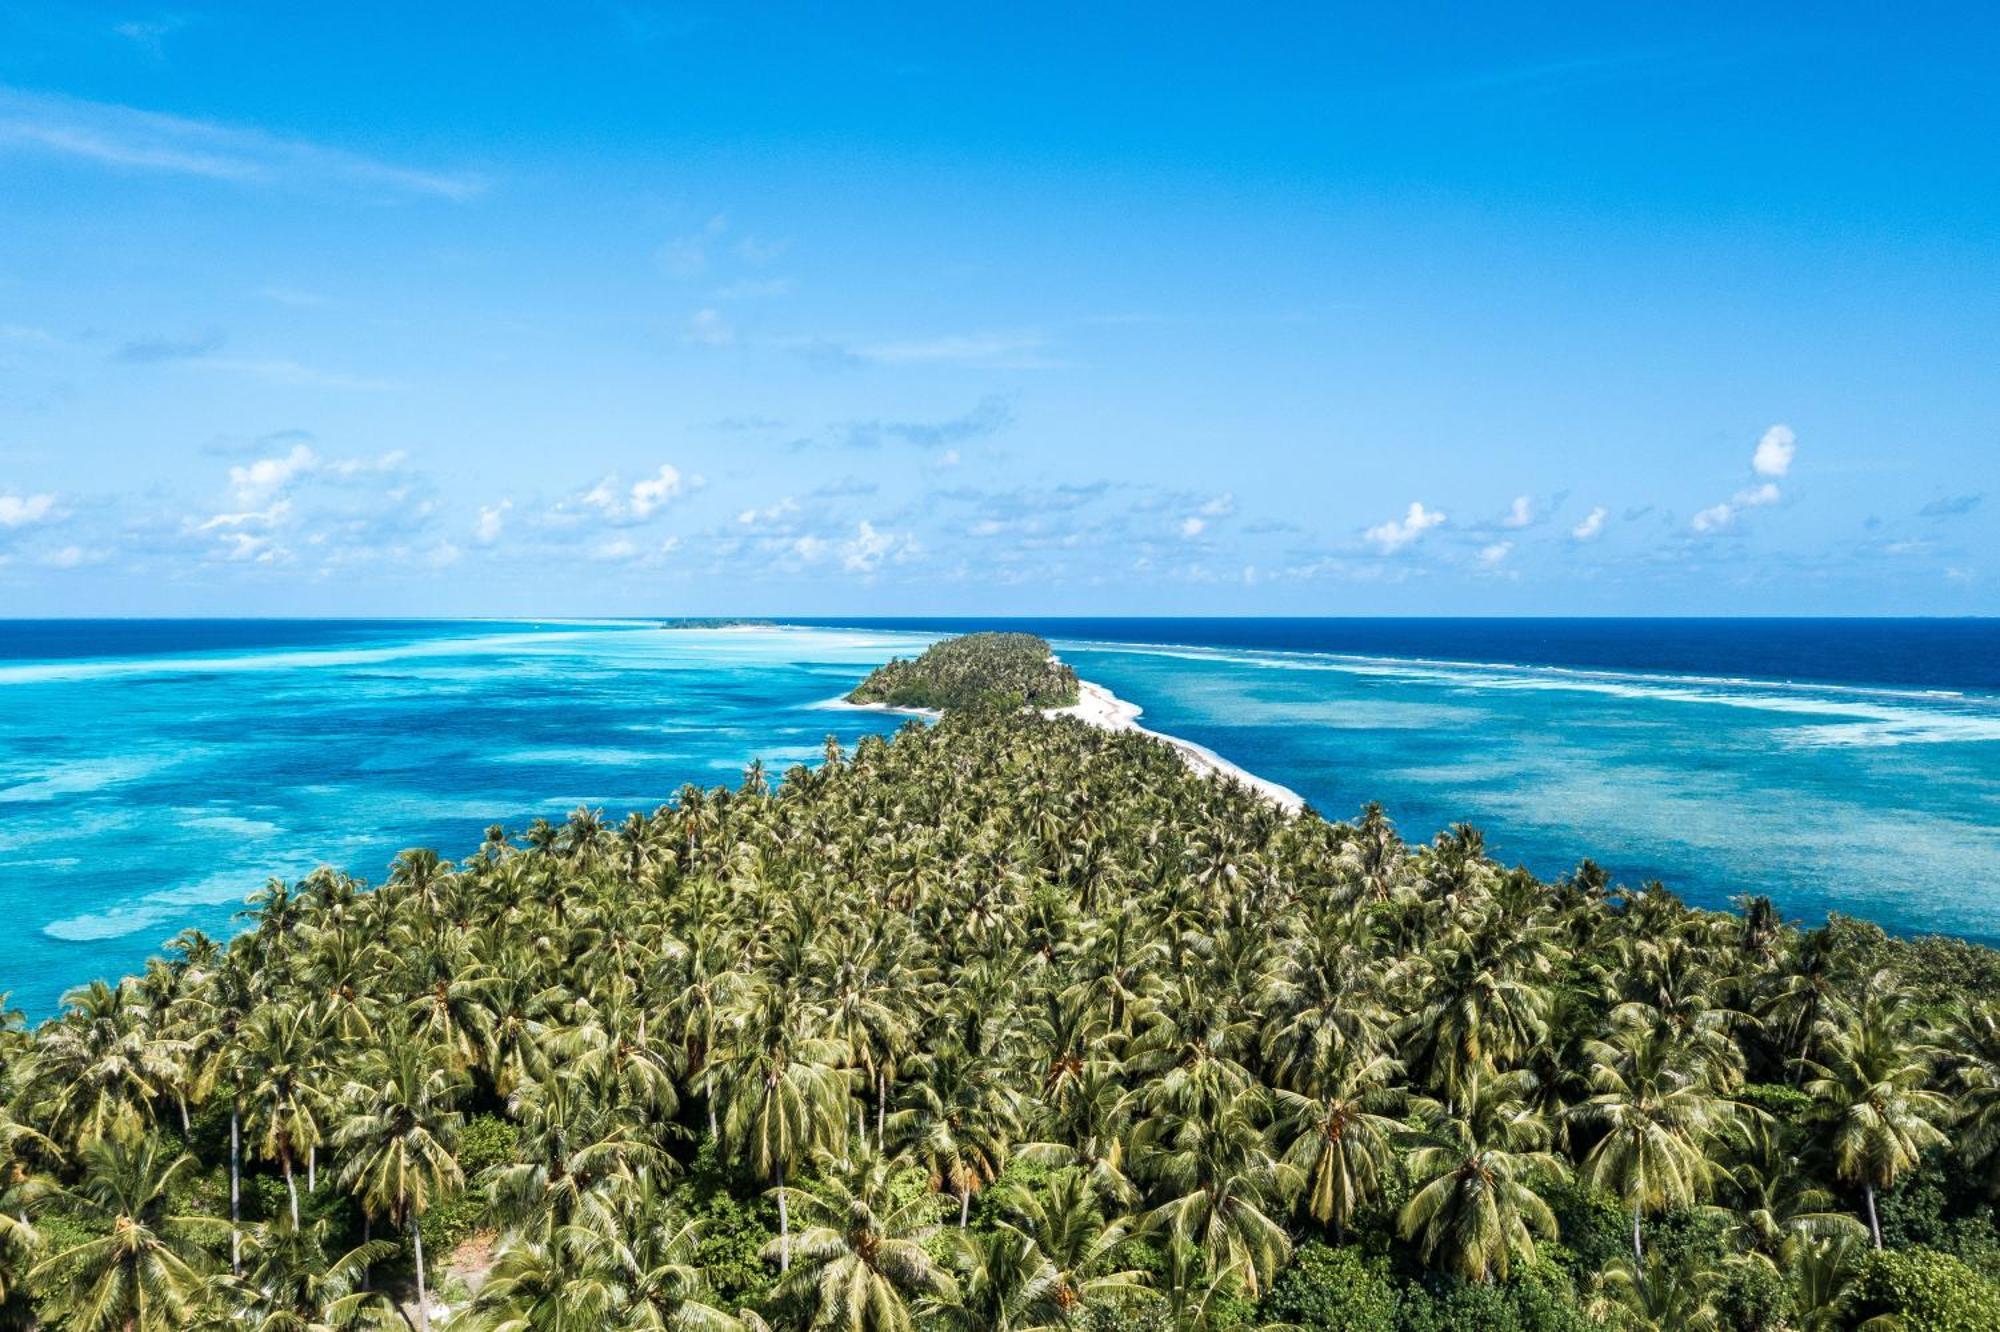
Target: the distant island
(1011, 1023)
(981, 670)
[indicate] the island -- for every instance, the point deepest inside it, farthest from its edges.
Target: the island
(983, 670)
(1007, 1022)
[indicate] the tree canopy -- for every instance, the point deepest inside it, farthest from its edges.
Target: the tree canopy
(1005, 1023)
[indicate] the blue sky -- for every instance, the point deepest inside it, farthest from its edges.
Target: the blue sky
(692, 310)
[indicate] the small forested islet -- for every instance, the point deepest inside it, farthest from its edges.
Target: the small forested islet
(1006, 1023)
(983, 670)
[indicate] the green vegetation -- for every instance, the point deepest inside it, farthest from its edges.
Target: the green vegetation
(1006, 1024)
(973, 671)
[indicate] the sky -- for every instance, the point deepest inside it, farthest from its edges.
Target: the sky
(713, 310)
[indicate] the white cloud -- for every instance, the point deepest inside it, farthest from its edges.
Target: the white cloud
(1714, 518)
(1773, 457)
(346, 468)
(863, 553)
(492, 518)
(20, 510)
(278, 511)
(1392, 536)
(1495, 553)
(770, 513)
(641, 501)
(614, 549)
(127, 138)
(1591, 526)
(1521, 513)
(655, 490)
(1775, 451)
(1192, 527)
(256, 482)
(1220, 507)
(242, 546)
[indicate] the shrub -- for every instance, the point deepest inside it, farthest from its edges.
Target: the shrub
(486, 1141)
(1325, 1289)
(1929, 1291)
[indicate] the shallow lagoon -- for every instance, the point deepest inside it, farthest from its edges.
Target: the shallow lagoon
(150, 778)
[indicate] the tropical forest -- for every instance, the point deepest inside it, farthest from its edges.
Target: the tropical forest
(1006, 1024)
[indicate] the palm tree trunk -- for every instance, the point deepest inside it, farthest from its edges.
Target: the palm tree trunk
(964, 1204)
(235, 1191)
(881, 1105)
(1638, 1249)
(312, 1168)
(423, 1296)
(1874, 1224)
(292, 1188)
(784, 1227)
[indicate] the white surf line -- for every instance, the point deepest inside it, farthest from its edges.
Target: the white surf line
(843, 705)
(1099, 707)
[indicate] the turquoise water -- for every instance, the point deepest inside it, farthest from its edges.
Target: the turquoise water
(1878, 802)
(154, 774)
(149, 791)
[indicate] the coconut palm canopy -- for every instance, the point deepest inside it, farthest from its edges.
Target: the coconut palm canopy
(1005, 1023)
(973, 670)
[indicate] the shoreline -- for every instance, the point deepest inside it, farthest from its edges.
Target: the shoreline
(889, 709)
(1099, 707)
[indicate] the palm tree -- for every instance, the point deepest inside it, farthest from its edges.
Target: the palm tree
(298, 1283)
(399, 1143)
(1066, 1225)
(1821, 1276)
(861, 1257)
(959, 1117)
(572, 1155)
(100, 1069)
(1658, 1117)
(1005, 1284)
(1221, 1185)
(144, 1267)
(282, 1051)
(786, 1100)
(1776, 1204)
(1339, 1140)
(570, 1282)
(1872, 1089)
(1475, 1209)
(19, 1240)
(1665, 1299)
(1975, 1045)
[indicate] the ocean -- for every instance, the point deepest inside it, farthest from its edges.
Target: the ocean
(154, 773)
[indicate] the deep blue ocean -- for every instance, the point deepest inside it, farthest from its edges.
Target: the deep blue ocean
(153, 773)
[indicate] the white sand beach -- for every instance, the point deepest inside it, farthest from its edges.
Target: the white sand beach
(841, 704)
(1099, 707)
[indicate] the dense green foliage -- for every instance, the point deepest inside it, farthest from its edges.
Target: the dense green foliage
(1006, 1024)
(973, 671)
